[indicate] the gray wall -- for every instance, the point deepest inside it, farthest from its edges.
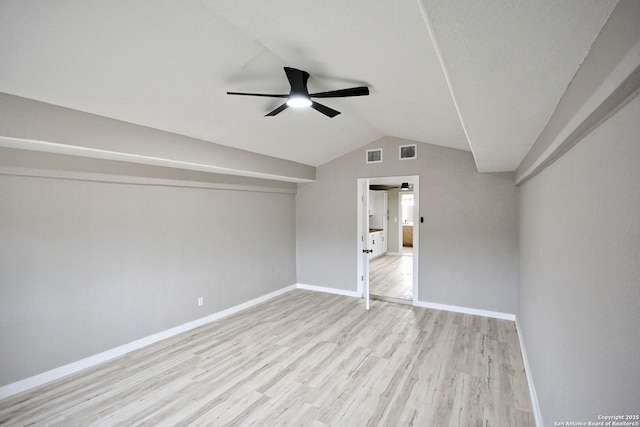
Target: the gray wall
(25, 122)
(88, 266)
(468, 242)
(579, 292)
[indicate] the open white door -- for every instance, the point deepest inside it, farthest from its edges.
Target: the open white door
(363, 240)
(363, 230)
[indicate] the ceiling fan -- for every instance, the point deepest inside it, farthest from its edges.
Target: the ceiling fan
(299, 96)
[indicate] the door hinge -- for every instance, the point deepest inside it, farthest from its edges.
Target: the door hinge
(362, 278)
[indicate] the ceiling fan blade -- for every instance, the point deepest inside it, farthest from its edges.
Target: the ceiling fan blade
(329, 112)
(258, 94)
(278, 110)
(297, 80)
(340, 93)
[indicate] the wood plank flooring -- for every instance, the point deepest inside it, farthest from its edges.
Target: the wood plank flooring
(307, 359)
(392, 276)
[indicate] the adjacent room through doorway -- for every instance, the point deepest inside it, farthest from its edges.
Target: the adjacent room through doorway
(391, 231)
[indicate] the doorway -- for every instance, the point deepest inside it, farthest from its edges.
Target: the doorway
(388, 238)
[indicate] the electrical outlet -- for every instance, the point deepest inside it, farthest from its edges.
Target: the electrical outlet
(200, 301)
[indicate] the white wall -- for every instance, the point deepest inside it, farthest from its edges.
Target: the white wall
(393, 231)
(468, 242)
(579, 291)
(89, 266)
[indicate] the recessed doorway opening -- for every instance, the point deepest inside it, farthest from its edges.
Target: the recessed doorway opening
(386, 231)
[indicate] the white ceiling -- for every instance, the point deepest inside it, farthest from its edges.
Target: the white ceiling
(168, 65)
(508, 63)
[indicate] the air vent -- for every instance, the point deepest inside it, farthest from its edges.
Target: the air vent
(408, 152)
(374, 156)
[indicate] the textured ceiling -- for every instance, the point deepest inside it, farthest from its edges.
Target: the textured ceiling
(168, 64)
(508, 63)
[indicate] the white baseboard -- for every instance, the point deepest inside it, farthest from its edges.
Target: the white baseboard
(71, 368)
(328, 290)
(466, 310)
(423, 304)
(537, 414)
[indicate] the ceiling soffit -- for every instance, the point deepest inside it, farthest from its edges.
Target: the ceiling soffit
(508, 63)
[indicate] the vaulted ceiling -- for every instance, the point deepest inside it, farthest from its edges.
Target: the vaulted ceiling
(475, 75)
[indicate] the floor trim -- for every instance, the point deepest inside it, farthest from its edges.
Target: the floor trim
(466, 310)
(422, 304)
(537, 414)
(71, 368)
(335, 291)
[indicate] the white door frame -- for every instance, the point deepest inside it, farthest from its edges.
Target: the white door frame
(363, 231)
(363, 240)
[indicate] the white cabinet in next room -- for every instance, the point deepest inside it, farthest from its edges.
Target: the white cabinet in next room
(378, 210)
(377, 243)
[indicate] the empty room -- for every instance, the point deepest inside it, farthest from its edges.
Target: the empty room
(330, 213)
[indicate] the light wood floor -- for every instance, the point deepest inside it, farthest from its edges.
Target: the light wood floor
(392, 276)
(304, 358)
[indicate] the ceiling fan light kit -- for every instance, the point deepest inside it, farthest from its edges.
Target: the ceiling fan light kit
(299, 96)
(299, 102)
